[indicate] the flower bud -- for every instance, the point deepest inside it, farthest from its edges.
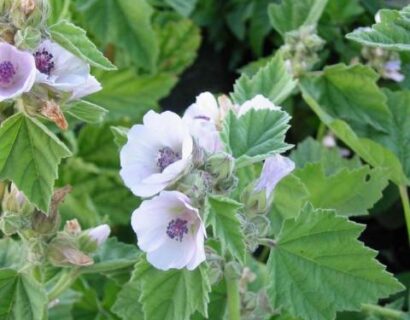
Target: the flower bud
(233, 270)
(220, 165)
(27, 6)
(28, 38)
(215, 265)
(72, 227)
(255, 202)
(196, 185)
(63, 251)
(45, 225)
(14, 201)
(262, 224)
(91, 239)
(11, 223)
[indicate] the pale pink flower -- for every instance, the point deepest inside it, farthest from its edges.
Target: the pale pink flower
(274, 170)
(100, 233)
(63, 71)
(392, 71)
(259, 102)
(157, 153)
(170, 231)
(17, 71)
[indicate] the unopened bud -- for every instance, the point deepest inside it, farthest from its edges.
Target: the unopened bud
(220, 165)
(255, 202)
(28, 38)
(72, 227)
(14, 201)
(11, 223)
(233, 270)
(100, 234)
(262, 224)
(52, 111)
(45, 225)
(196, 185)
(63, 251)
(27, 6)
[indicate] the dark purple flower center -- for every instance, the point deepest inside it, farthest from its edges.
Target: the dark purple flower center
(44, 61)
(7, 73)
(167, 156)
(177, 228)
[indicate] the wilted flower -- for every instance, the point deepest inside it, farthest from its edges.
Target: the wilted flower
(63, 71)
(17, 72)
(157, 153)
(170, 231)
(100, 234)
(258, 102)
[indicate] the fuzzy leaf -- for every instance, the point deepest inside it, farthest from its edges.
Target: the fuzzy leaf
(86, 111)
(75, 40)
(12, 254)
(174, 294)
(222, 215)
(289, 15)
(392, 32)
(272, 81)
(255, 135)
(29, 156)
(349, 192)
(21, 297)
(319, 267)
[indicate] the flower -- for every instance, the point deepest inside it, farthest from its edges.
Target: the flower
(258, 102)
(100, 234)
(157, 153)
(17, 72)
(170, 231)
(392, 71)
(63, 71)
(274, 169)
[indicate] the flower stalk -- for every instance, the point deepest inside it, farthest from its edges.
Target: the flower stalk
(65, 282)
(233, 296)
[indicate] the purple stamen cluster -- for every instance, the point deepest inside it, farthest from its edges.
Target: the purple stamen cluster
(177, 228)
(167, 156)
(7, 73)
(44, 61)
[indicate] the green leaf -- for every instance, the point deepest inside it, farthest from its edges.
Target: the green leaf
(255, 135)
(86, 111)
(342, 11)
(392, 32)
(318, 267)
(179, 43)
(259, 26)
(75, 40)
(12, 254)
(21, 297)
(222, 215)
(128, 96)
(174, 294)
(349, 192)
(29, 156)
(183, 7)
(289, 15)
(120, 135)
(272, 81)
(126, 24)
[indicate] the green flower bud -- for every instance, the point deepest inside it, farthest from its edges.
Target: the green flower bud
(91, 239)
(196, 185)
(221, 166)
(32, 13)
(63, 251)
(262, 224)
(233, 270)
(14, 201)
(255, 202)
(45, 225)
(28, 38)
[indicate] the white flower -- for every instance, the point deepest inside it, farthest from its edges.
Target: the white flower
(170, 231)
(157, 153)
(329, 141)
(17, 72)
(274, 170)
(202, 118)
(259, 102)
(392, 71)
(63, 71)
(100, 234)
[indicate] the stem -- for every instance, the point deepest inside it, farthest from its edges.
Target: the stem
(382, 311)
(65, 281)
(406, 206)
(64, 10)
(234, 303)
(321, 132)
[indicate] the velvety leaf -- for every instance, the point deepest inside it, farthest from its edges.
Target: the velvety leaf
(272, 81)
(29, 156)
(349, 192)
(289, 15)
(86, 111)
(21, 297)
(316, 263)
(12, 254)
(392, 32)
(222, 215)
(255, 135)
(75, 40)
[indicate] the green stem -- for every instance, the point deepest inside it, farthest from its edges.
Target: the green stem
(234, 302)
(382, 311)
(64, 10)
(65, 282)
(321, 132)
(406, 206)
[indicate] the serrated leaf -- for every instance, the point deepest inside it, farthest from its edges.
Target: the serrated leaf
(183, 7)
(272, 81)
(86, 111)
(222, 215)
(318, 261)
(21, 297)
(349, 192)
(75, 40)
(392, 32)
(29, 156)
(126, 24)
(289, 15)
(174, 294)
(255, 135)
(127, 95)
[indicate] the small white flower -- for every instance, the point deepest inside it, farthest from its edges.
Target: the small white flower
(157, 153)
(170, 231)
(259, 102)
(17, 72)
(63, 71)
(100, 234)
(329, 141)
(392, 71)
(274, 170)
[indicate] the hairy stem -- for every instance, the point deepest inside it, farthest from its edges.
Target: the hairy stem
(382, 311)
(234, 303)
(406, 206)
(62, 284)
